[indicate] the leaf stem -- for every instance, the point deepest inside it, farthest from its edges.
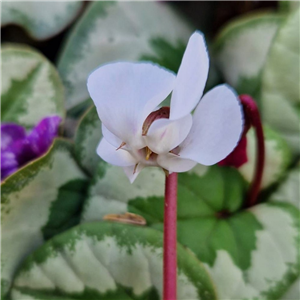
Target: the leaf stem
(170, 239)
(252, 112)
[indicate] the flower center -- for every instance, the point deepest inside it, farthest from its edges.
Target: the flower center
(146, 155)
(162, 113)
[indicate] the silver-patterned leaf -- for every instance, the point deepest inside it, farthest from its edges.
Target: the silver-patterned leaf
(110, 31)
(41, 20)
(38, 201)
(31, 88)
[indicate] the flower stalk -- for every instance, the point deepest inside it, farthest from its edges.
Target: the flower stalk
(170, 239)
(252, 113)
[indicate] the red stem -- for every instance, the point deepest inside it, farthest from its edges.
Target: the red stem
(170, 239)
(252, 112)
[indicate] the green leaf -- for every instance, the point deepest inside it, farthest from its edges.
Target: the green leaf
(31, 87)
(107, 261)
(110, 31)
(166, 54)
(250, 254)
(65, 211)
(280, 82)
(277, 157)
(274, 260)
(40, 20)
(241, 50)
(87, 138)
(293, 293)
(288, 190)
(288, 6)
(38, 201)
(111, 190)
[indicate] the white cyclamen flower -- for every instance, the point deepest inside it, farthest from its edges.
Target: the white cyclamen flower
(136, 133)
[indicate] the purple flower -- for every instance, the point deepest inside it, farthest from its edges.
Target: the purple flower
(18, 148)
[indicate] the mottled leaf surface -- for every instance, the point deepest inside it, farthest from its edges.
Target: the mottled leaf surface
(280, 82)
(41, 20)
(242, 47)
(107, 261)
(31, 87)
(214, 225)
(87, 138)
(37, 202)
(114, 31)
(277, 157)
(288, 190)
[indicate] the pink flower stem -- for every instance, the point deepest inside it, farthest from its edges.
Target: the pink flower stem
(251, 110)
(170, 239)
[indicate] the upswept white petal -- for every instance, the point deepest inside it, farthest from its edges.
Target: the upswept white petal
(191, 78)
(174, 163)
(125, 93)
(165, 135)
(110, 137)
(217, 127)
(133, 171)
(115, 157)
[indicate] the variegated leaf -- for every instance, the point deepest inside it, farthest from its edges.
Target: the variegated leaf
(107, 261)
(41, 20)
(288, 190)
(110, 31)
(277, 157)
(242, 47)
(235, 244)
(87, 138)
(39, 201)
(280, 82)
(31, 88)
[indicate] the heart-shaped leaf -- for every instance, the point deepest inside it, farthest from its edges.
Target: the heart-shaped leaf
(107, 261)
(110, 31)
(241, 50)
(277, 157)
(40, 20)
(280, 82)
(31, 87)
(38, 201)
(234, 244)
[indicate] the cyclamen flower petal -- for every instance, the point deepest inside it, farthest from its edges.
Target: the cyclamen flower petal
(175, 163)
(110, 137)
(165, 135)
(133, 171)
(42, 135)
(125, 93)
(135, 136)
(11, 132)
(22, 151)
(9, 163)
(217, 126)
(119, 157)
(18, 149)
(238, 156)
(191, 78)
